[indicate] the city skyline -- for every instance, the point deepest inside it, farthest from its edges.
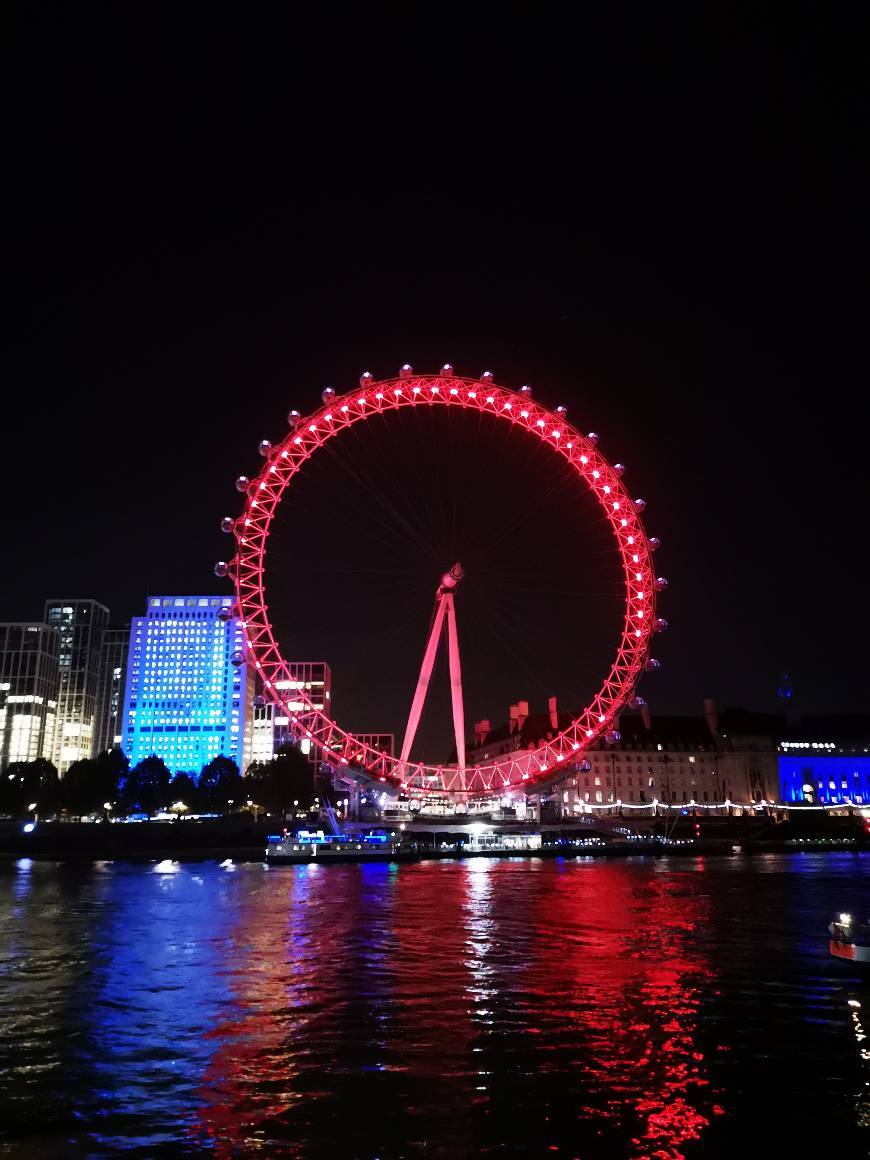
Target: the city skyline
(434, 710)
(695, 296)
(694, 760)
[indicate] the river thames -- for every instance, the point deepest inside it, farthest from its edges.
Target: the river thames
(579, 1008)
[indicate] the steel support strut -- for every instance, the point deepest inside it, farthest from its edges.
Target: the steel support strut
(444, 610)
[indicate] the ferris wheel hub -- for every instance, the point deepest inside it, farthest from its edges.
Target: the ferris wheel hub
(452, 577)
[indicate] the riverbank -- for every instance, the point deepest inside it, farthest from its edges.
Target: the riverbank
(238, 837)
(242, 839)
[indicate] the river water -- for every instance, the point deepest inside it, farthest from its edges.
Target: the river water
(574, 1008)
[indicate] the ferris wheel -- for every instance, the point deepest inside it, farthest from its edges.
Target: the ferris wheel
(522, 769)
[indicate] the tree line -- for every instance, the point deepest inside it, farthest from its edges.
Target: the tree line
(107, 784)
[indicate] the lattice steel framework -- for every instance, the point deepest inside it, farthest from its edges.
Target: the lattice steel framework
(523, 768)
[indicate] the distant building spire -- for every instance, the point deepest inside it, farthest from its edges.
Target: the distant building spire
(785, 695)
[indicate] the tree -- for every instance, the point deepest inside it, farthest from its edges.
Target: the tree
(88, 785)
(146, 787)
(30, 782)
(112, 770)
(183, 788)
(280, 782)
(80, 789)
(220, 784)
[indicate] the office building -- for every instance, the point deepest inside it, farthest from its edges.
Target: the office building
(110, 688)
(80, 624)
(381, 742)
(28, 692)
(271, 723)
(189, 688)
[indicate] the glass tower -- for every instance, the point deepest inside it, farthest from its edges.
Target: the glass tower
(28, 692)
(81, 624)
(110, 692)
(189, 689)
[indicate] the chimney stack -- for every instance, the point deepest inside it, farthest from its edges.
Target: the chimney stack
(711, 716)
(481, 731)
(553, 706)
(513, 714)
(522, 714)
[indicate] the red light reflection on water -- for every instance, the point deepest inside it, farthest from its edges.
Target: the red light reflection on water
(631, 972)
(476, 1001)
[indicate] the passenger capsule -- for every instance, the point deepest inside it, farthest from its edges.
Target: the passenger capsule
(560, 410)
(636, 703)
(327, 394)
(227, 525)
(652, 665)
(654, 542)
(221, 569)
(293, 418)
(237, 658)
(592, 437)
(660, 624)
(661, 583)
(264, 447)
(619, 469)
(639, 505)
(405, 371)
(225, 614)
(612, 737)
(242, 483)
(487, 377)
(259, 702)
(447, 370)
(585, 766)
(366, 379)
(525, 389)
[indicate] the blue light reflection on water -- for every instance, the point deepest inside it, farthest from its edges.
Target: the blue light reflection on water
(632, 1008)
(148, 1044)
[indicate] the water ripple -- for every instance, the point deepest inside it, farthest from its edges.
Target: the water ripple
(654, 1009)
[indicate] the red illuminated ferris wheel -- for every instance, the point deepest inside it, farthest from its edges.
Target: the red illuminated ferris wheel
(248, 570)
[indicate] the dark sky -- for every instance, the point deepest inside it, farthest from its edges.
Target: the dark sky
(662, 225)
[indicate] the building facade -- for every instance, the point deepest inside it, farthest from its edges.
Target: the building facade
(29, 683)
(271, 726)
(708, 760)
(825, 760)
(110, 689)
(189, 689)
(80, 625)
(382, 742)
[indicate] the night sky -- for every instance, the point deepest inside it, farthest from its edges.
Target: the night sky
(662, 226)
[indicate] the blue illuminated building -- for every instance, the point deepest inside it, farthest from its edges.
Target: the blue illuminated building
(832, 771)
(189, 689)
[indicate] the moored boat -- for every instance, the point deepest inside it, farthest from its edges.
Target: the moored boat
(850, 940)
(315, 846)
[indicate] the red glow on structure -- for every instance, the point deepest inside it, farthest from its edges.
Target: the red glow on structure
(579, 451)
